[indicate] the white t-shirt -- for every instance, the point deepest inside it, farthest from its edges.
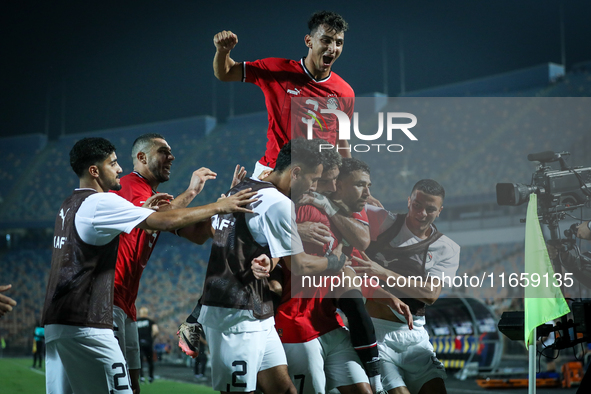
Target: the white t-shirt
(273, 224)
(100, 218)
(443, 256)
(103, 216)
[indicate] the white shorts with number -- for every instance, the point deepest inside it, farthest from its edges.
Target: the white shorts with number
(125, 330)
(319, 365)
(407, 356)
(237, 358)
(84, 360)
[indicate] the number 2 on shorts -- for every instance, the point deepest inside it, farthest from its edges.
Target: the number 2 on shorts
(121, 375)
(236, 374)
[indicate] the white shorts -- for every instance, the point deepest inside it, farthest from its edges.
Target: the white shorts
(258, 169)
(237, 358)
(125, 330)
(407, 356)
(84, 360)
(324, 363)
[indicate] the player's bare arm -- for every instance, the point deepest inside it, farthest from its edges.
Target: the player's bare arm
(376, 294)
(224, 67)
(314, 233)
(306, 264)
(355, 232)
(198, 179)
(427, 293)
(199, 233)
(386, 298)
(159, 202)
(179, 218)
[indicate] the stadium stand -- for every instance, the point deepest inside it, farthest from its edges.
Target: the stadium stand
(19, 151)
(468, 161)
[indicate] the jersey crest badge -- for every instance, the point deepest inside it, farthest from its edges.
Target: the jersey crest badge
(332, 103)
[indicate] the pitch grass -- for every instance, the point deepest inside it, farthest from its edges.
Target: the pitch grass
(17, 376)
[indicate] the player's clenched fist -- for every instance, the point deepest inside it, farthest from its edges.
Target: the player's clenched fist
(225, 41)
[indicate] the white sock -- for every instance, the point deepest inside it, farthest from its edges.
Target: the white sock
(376, 383)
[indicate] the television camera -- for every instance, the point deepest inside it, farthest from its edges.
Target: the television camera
(559, 191)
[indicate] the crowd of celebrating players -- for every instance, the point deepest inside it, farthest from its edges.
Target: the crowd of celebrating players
(304, 212)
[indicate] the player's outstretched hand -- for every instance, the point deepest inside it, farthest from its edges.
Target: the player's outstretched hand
(395, 304)
(158, 201)
(239, 175)
(314, 233)
(264, 174)
(6, 303)
(371, 200)
(320, 201)
(236, 202)
(199, 178)
(225, 41)
(261, 266)
(369, 267)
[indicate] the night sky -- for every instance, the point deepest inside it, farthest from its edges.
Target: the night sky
(89, 65)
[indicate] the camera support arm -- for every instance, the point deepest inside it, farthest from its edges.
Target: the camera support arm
(552, 221)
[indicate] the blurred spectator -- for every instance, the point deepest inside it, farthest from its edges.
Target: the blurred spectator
(39, 345)
(201, 360)
(147, 331)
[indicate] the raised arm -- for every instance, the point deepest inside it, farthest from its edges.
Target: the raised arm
(224, 67)
(198, 179)
(199, 233)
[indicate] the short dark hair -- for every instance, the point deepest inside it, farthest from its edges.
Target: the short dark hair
(89, 151)
(429, 186)
(351, 164)
(142, 142)
(333, 20)
(330, 157)
(299, 151)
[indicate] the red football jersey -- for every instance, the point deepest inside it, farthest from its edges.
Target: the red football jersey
(284, 79)
(301, 320)
(135, 248)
